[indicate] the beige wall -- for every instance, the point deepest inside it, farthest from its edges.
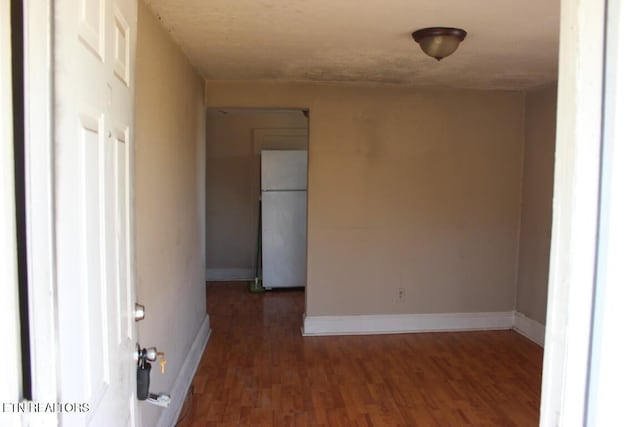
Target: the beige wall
(410, 188)
(537, 192)
(233, 184)
(169, 201)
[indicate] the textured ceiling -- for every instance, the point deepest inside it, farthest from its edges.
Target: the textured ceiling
(511, 44)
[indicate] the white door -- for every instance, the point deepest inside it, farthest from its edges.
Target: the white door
(94, 50)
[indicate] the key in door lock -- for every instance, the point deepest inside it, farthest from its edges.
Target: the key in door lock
(143, 374)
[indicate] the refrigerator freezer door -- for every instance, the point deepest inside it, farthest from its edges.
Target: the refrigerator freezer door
(284, 239)
(284, 170)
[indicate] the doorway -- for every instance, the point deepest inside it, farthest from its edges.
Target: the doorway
(236, 139)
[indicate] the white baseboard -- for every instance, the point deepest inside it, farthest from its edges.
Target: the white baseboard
(405, 323)
(529, 328)
(230, 274)
(179, 391)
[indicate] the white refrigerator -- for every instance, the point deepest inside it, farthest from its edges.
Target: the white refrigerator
(284, 218)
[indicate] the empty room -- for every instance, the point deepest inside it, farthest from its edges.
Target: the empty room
(337, 213)
(429, 209)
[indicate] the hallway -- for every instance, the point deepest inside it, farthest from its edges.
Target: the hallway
(257, 370)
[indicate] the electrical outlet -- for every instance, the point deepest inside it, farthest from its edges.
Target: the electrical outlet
(401, 293)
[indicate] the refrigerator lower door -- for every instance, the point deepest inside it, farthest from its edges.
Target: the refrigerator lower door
(284, 239)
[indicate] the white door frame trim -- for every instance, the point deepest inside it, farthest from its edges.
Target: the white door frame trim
(39, 171)
(614, 373)
(575, 213)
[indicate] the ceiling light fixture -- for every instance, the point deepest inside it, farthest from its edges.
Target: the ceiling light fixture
(439, 42)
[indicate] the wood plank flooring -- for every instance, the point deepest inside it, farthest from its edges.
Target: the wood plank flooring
(257, 370)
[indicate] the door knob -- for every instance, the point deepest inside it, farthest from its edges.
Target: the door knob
(138, 312)
(150, 354)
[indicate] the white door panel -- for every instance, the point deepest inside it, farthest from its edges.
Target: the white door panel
(94, 46)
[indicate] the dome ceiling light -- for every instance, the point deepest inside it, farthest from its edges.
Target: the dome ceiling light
(439, 42)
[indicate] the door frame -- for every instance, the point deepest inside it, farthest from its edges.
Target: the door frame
(38, 143)
(10, 378)
(575, 206)
(579, 318)
(39, 170)
(575, 213)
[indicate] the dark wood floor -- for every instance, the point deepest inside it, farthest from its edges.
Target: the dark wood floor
(257, 370)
